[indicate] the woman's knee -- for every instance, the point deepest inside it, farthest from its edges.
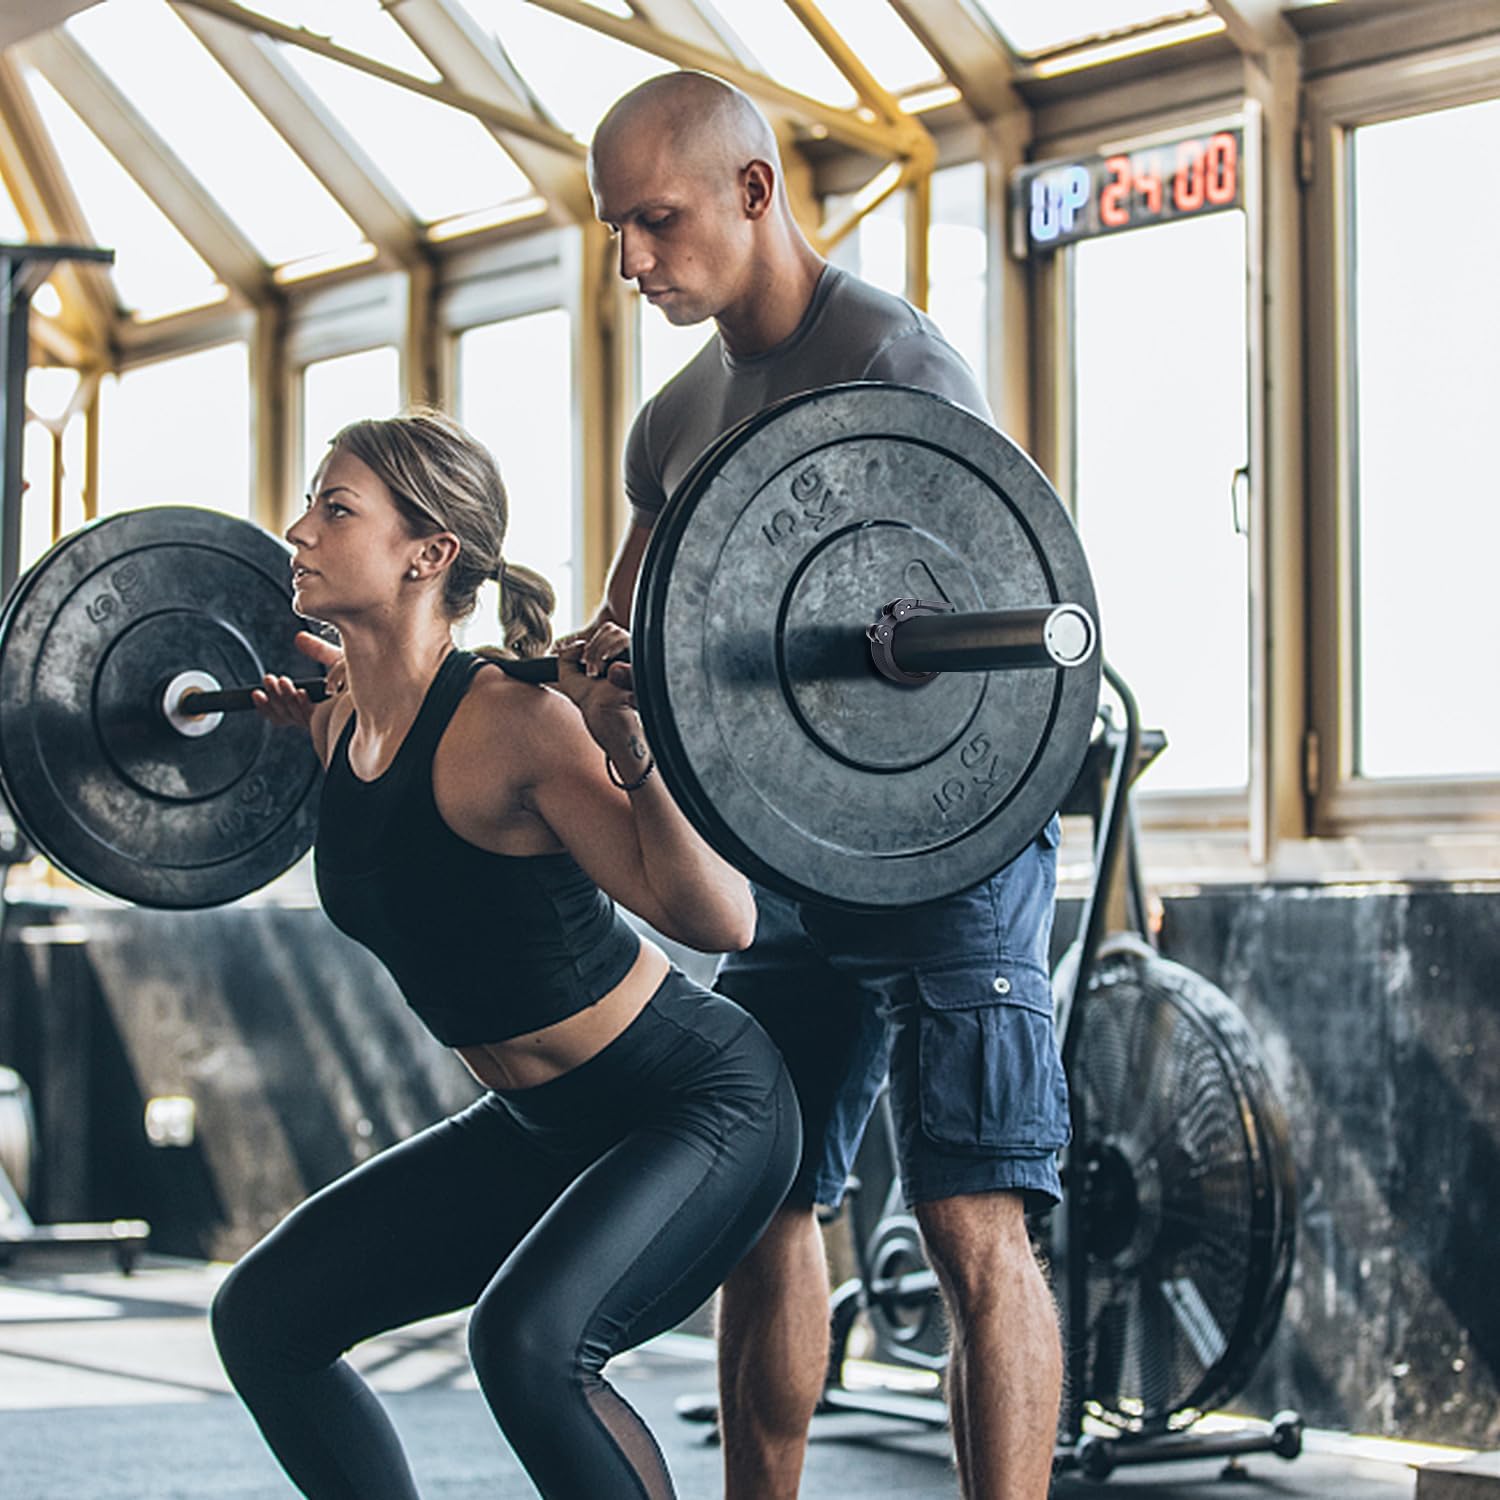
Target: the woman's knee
(526, 1354)
(260, 1322)
(241, 1321)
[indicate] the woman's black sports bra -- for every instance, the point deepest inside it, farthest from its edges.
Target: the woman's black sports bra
(484, 946)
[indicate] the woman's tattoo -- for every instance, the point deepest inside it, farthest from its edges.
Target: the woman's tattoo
(638, 747)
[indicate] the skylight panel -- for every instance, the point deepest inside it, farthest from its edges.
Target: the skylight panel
(156, 271)
(442, 161)
(12, 230)
(785, 49)
(884, 43)
(1030, 27)
(360, 25)
(576, 73)
(257, 179)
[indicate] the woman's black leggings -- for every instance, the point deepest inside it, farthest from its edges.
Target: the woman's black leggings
(579, 1218)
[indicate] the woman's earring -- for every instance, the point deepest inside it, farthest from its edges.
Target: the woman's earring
(413, 571)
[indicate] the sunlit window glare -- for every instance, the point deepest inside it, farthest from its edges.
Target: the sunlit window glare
(341, 390)
(363, 26)
(155, 268)
(256, 178)
(785, 50)
(1159, 359)
(441, 160)
(12, 230)
(575, 72)
(515, 394)
(1031, 28)
(883, 42)
(177, 432)
(1428, 526)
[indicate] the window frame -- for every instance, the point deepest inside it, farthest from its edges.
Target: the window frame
(1208, 830)
(1427, 825)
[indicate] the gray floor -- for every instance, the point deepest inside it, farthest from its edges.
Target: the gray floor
(109, 1388)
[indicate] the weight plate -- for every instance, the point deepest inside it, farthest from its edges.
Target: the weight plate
(96, 777)
(789, 752)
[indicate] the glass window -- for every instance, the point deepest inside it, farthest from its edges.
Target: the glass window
(360, 25)
(957, 262)
(12, 230)
(260, 182)
(38, 465)
(1030, 28)
(515, 394)
(665, 347)
(1161, 403)
(576, 73)
(177, 432)
(786, 50)
(1427, 377)
(884, 43)
(442, 161)
(156, 271)
(876, 249)
(338, 391)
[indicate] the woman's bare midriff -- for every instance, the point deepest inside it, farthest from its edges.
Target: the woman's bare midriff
(523, 1062)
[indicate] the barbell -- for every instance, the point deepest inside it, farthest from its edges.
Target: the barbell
(865, 645)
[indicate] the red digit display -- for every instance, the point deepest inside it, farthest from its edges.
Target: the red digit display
(1114, 198)
(1187, 181)
(1065, 199)
(1221, 170)
(1148, 180)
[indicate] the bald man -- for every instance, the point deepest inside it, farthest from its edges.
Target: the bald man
(953, 997)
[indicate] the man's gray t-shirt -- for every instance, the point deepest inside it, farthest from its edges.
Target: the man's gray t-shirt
(850, 331)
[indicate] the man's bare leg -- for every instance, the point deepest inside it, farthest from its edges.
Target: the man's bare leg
(773, 1354)
(1005, 1368)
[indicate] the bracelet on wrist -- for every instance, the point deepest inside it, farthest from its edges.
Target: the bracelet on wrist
(628, 786)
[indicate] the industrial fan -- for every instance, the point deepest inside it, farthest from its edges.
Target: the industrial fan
(1187, 1205)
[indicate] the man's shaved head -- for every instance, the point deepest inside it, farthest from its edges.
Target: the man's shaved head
(711, 128)
(685, 173)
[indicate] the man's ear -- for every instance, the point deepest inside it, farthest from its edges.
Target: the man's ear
(758, 188)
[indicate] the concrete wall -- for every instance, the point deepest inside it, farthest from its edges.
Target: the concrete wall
(1378, 1010)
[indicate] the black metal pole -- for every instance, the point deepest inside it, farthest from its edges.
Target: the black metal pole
(15, 322)
(23, 268)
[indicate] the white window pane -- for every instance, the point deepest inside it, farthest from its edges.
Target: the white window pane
(1161, 416)
(957, 255)
(49, 388)
(338, 391)
(876, 250)
(1030, 26)
(177, 432)
(257, 179)
(156, 271)
(576, 73)
(785, 49)
(12, 230)
(1427, 372)
(665, 347)
(515, 394)
(883, 42)
(442, 161)
(37, 465)
(360, 25)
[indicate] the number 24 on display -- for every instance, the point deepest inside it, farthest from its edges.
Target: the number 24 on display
(1205, 176)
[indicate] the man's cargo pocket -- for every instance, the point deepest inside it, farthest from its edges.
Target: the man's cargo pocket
(990, 1074)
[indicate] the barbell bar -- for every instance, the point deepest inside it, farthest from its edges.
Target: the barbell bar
(859, 756)
(993, 640)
